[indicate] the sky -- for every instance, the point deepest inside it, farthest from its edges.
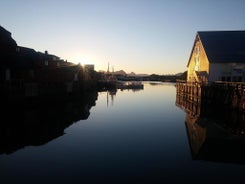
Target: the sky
(141, 36)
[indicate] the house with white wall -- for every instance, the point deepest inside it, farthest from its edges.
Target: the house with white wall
(217, 56)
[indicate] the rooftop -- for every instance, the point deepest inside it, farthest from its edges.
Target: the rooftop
(223, 46)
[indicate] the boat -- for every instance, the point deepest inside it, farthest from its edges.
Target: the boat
(130, 85)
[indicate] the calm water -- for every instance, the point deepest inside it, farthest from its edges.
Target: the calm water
(118, 137)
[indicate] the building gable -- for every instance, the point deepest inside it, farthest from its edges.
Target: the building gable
(217, 55)
(198, 64)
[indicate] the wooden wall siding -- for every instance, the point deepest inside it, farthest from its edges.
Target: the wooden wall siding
(198, 61)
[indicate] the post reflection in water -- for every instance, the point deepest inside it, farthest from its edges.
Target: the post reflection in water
(112, 94)
(214, 133)
(39, 122)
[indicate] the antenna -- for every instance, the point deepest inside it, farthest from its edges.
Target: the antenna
(108, 69)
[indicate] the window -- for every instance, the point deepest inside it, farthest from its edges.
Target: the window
(7, 74)
(197, 60)
(31, 73)
(76, 77)
(239, 79)
(197, 50)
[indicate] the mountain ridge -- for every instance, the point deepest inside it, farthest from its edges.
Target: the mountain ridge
(132, 74)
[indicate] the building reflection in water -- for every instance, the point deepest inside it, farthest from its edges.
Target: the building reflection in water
(214, 133)
(36, 123)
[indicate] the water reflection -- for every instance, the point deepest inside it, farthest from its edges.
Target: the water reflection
(36, 123)
(111, 94)
(214, 133)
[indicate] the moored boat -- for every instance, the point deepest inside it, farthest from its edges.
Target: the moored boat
(130, 85)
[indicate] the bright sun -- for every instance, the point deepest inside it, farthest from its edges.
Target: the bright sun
(83, 60)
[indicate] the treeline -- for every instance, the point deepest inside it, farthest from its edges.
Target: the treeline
(152, 77)
(166, 78)
(162, 78)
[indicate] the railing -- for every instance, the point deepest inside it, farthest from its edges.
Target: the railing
(230, 94)
(238, 86)
(188, 97)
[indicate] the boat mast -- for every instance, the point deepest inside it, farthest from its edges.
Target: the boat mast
(108, 69)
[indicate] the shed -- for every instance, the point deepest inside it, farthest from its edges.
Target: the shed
(217, 56)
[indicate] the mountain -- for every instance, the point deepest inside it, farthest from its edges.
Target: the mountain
(122, 72)
(131, 74)
(142, 75)
(179, 74)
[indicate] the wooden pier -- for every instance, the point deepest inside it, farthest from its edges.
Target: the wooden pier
(188, 97)
(221, 104)
(225, 94)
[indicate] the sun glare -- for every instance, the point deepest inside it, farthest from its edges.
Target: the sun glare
(83, 60)
(99, 65)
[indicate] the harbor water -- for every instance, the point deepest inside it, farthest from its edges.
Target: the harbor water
(121, 136)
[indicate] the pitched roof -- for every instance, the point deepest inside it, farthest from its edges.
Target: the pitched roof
(6, 41)
(223, 46)
(4, 31)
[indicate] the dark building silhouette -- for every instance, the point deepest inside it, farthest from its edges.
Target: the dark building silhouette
(7, 43)
(41, 95)
(27, 73)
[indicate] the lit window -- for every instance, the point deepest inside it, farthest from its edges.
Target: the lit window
(197, 60)
(196, 68)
